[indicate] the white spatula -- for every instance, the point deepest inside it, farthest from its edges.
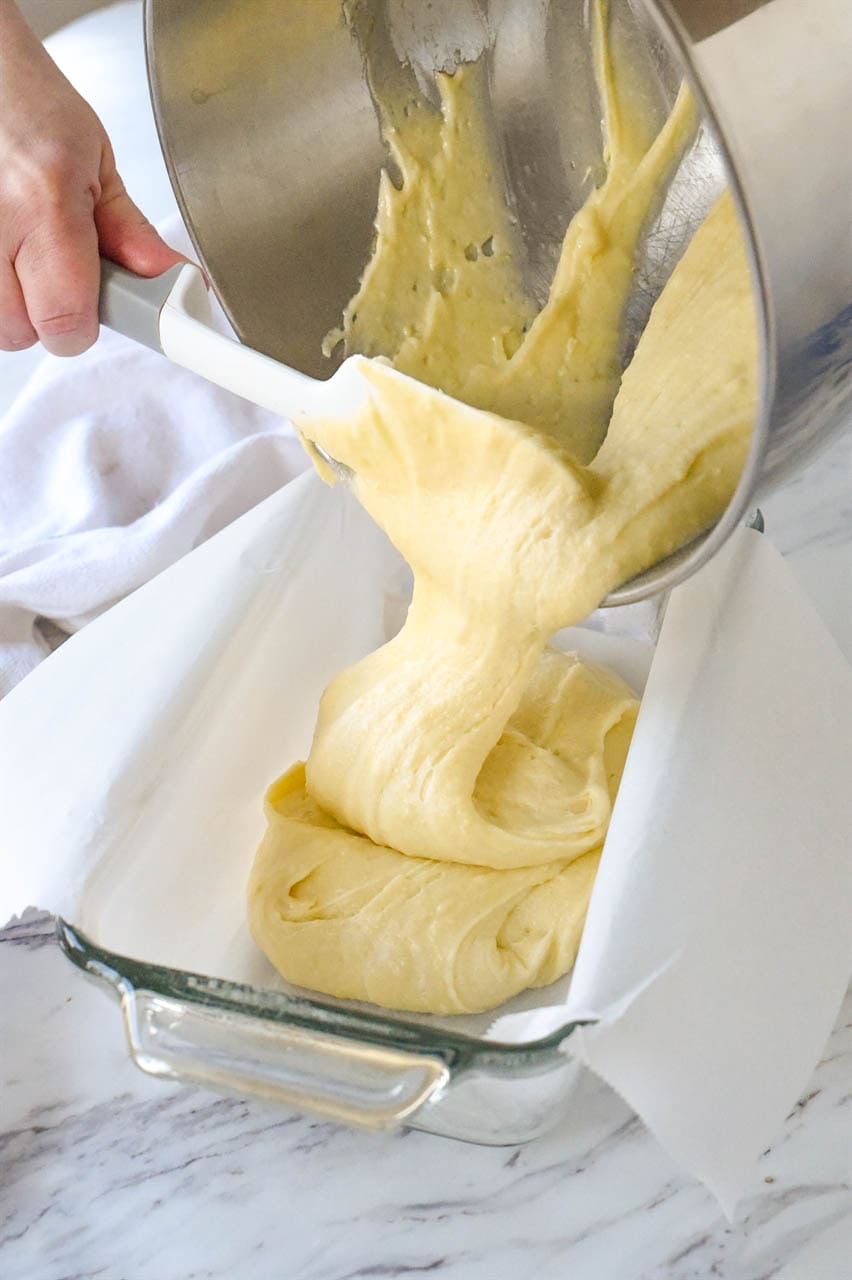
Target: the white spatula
(171, 314)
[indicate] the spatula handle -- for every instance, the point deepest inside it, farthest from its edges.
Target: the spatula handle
(172, 314)
(132, 304)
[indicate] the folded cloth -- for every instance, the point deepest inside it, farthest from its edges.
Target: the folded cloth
(112, 466)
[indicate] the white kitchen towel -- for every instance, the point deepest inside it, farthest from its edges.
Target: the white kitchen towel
(112, 466)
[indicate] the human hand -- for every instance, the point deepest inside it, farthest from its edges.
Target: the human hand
(62, 203)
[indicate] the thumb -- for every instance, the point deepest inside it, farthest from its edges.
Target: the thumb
(126, 236)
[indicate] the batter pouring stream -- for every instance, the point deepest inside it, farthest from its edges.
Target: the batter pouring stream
(438, 851)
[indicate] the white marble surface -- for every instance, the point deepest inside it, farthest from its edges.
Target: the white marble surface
(107, 1174)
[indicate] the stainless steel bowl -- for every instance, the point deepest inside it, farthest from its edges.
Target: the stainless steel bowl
(272, 143)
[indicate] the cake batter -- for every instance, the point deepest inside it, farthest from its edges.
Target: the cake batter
(438, 850)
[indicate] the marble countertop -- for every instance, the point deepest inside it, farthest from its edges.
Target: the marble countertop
(108, 1174)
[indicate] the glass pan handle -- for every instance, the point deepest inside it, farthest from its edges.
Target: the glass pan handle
(359, 1084)
(224, 1035)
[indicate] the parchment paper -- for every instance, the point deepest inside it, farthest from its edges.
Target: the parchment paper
(718, 946)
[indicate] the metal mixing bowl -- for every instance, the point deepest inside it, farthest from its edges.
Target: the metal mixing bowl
(273, 147)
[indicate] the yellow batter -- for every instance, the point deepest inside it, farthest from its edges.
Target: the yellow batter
(336, 912)
(470, 771)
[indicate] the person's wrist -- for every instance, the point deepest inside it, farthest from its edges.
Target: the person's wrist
(15, 33)
(11, 16)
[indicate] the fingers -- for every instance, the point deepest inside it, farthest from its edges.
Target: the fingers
(126, 236)
(58, 270)
(58, 191)
(49, 290)
(16, 332)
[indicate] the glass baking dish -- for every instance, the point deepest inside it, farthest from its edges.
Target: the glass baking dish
(354, 1063)
(341, 1061)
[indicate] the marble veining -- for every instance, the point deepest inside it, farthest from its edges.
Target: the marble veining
(106, 1174)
